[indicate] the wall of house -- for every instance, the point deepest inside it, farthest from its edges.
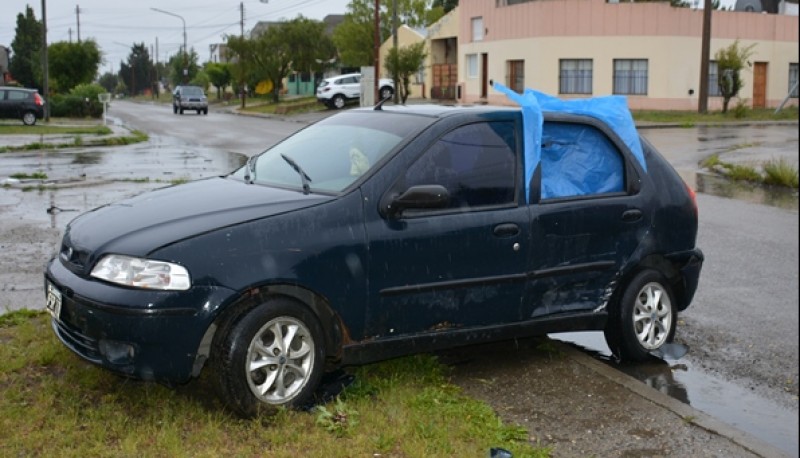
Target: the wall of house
(406, 36)
(542, 32)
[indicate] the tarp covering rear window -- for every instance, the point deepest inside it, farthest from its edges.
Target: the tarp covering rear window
(611, 110)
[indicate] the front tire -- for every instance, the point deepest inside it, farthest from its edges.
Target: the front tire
(338, 101)
(272, 357)
(644, 318)
(386, 92)
(29, 118)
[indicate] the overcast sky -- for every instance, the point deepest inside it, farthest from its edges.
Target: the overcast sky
(116, 25)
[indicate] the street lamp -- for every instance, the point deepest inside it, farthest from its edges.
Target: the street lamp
(185, 60)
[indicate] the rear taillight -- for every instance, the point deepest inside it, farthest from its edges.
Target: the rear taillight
(693, 196)
(38, 100)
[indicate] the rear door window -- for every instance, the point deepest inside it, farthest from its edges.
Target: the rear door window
(579, 160)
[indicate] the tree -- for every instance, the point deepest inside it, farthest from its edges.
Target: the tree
(730, 62)
(219, 75)
(72, 64)
(25, 65)
(299, 44)
(243, 60)
(183, 68)
(402, 63)
(109, 81)
(138, 72)
(355, 36)
(447, 5)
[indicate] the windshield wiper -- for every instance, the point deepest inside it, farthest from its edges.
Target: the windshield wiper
(249, 170)
(305, 179)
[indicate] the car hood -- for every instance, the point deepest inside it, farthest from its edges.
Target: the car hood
(142, 224)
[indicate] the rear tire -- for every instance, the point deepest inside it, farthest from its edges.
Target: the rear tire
(644, 319)
(386, 92)
(338, 101)
(272, 357)
(29, 118)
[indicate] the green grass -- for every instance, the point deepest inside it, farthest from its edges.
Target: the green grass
(780, 173)
(56, 404)
(692, 118)
(291, 106)
(48, 129)
(776, 172)
(32, 176)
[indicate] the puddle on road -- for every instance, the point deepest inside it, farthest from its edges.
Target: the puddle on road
(723, 400)
(714, 185)
(767, 195)
(87, 157)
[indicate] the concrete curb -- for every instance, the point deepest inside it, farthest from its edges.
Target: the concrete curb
(684, 411)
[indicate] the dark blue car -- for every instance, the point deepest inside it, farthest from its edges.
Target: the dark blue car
(378, 233)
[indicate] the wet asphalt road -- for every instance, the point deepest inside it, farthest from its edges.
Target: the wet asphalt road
(742, 326)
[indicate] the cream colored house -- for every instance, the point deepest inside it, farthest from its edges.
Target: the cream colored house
(406, 36)
(649, 52)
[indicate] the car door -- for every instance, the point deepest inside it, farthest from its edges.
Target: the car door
(460, 265)
(4, 105)
(587, 221)
(352, 87)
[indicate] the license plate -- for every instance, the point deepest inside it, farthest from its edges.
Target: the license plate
(53, 301)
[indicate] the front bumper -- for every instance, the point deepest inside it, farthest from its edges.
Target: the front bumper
(193, 105)
(150, 335)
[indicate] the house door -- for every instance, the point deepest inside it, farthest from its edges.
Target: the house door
(484, 75)
(760, 85)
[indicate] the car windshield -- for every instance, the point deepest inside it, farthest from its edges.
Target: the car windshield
(192, 90)
(332, 154)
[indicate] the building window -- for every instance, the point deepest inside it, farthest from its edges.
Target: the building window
(713, 79)
(516, 75)
(477, 29)
(630, 76)
(575, 76)
(793, 80)
(472, 66)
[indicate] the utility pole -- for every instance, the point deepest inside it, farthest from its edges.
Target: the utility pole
(702, 105)
(78, 16)
(45, 64)
(242, 88)
(377, 40)
(394, 44)
(69, 31)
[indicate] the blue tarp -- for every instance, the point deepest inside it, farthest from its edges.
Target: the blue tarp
(611, 110)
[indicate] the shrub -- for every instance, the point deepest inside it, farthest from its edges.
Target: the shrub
(81, 102)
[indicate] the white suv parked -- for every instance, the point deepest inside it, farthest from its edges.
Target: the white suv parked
(336, 91)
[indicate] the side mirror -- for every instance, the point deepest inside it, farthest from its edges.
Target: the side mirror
(417, 197)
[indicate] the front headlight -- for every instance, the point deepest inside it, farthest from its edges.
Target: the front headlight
(142, 273)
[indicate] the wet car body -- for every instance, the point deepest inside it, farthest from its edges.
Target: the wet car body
(387, 263)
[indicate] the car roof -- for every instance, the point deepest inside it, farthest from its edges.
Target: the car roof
(15, 88)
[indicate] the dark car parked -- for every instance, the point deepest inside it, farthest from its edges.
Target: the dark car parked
(189, 98)
(20, 103)
(377, 233)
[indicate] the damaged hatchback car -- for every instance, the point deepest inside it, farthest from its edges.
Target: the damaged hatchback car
(376, 233)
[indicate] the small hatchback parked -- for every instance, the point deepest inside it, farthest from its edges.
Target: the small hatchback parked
(376, 233)
(21, 103)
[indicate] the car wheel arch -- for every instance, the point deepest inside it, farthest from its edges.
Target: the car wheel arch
(333, 328)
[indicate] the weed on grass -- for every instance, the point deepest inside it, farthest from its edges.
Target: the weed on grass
(56, 404)
(781, 173)
(30, 176)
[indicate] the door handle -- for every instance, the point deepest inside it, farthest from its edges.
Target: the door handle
(630, 216)
(506, 230)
